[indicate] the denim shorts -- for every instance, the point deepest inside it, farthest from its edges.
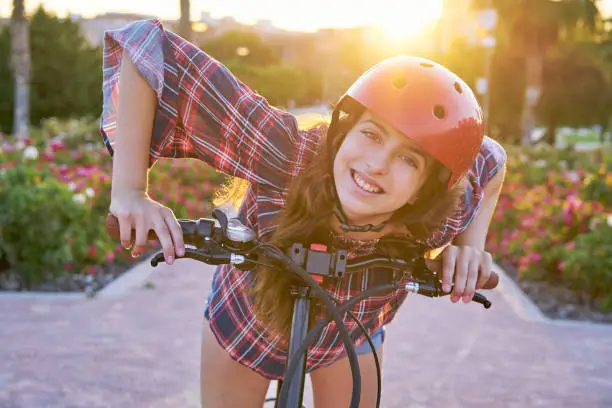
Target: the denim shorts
(378, 337)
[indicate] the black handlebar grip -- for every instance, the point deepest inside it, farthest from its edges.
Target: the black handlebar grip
(482, 300)
(111, 224)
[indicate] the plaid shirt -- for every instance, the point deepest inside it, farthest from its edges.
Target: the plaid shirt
(204, 112)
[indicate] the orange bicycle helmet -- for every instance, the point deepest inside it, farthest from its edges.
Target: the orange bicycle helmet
(429, 104)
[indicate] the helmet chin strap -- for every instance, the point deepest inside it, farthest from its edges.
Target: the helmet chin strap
(343, 220)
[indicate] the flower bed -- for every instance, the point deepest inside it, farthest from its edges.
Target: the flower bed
(552, 228)
(54, 194)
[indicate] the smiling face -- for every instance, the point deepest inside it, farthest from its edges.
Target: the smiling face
(377, 170)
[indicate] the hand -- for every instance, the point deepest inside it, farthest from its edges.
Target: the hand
(468, 267)
(135, 210)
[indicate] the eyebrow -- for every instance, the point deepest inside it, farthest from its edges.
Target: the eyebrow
(384, 130)
(378, 125)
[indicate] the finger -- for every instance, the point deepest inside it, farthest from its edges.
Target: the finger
(485, 268)
(472, 278)
(125, 229)
(448, 268)
(176, 232)
(142, 230)
(461, 272)
(164, 238)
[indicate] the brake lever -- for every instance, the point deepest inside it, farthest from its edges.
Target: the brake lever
(212, 258)
(430, 285)
(427, 289)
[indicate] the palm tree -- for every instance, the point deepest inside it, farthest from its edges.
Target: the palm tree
(532, 28)
(184, 29)
(20, 63)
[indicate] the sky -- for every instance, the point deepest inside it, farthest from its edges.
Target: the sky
(291, 14)
(307, 15)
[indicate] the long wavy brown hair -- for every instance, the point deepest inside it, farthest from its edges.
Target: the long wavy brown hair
(310, 196)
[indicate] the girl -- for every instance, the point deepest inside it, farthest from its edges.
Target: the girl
(404, 156)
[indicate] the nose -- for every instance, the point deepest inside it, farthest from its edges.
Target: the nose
(378, 162)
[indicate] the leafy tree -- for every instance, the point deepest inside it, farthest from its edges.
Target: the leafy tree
(575, 93)
(258, 65)
(241, 47)
(528, 31)
(66, 76)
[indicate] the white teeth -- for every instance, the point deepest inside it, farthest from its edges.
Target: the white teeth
(363, 184)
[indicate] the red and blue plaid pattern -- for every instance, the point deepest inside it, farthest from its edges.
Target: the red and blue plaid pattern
(205, 112)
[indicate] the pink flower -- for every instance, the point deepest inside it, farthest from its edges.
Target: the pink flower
(92, 250)
(561, 265)
(48, 156)
(91, 270)
(535, 257)
(570, 245)
(567, 216)
(526, 223)
(55, 146)
(110, 256)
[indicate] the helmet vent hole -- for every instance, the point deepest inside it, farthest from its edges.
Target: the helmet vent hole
(426, 65)
(399, 82)
(439, 112)
(458, 87)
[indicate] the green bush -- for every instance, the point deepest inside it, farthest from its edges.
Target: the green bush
(44, 226)
(598, 186)
(587, 264)
(551, 219)
(35, 214)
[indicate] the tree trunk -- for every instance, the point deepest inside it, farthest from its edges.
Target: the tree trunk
(551, 132)
(184, 29)
(535, 63)
(20, 64)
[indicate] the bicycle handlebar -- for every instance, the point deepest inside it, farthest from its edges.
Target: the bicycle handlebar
(205, 234)
(222, 241)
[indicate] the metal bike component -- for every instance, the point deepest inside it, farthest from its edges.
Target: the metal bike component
(299, 329)
(237, 232)
(227, 241)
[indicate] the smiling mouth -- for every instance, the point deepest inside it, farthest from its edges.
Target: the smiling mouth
(364, 185)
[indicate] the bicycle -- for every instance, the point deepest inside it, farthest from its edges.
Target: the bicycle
(221, 241)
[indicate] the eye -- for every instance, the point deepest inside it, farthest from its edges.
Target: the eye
(371, 135)
(408, 159)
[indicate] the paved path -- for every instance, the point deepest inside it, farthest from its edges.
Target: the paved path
(136, 347)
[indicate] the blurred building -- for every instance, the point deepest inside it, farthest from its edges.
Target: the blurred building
(337, 54)
(93, 28)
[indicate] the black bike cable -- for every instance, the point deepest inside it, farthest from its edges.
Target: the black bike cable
(346, 339)
(322, 322)
(376, 362)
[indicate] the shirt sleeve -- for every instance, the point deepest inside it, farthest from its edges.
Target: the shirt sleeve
(490, 159)
(203, 110)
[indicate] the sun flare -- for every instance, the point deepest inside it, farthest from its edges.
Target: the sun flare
(407, 18)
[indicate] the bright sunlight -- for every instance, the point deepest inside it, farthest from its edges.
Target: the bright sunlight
(402, 19)
(399, 18)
